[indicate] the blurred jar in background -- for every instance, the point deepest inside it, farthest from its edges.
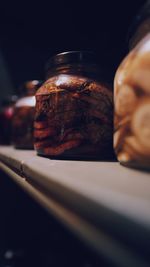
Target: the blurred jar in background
(132, 98)
(74, 109)
(23, 117)
(6, 114)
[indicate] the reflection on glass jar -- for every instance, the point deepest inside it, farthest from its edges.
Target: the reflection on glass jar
(23, 117)
(132, 107)
(74, 109)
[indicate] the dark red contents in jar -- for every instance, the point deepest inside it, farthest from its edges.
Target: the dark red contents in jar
(23, 127)
(23, 119)
(73, 118)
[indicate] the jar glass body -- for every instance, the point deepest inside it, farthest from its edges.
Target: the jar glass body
(22, 123)
(140, 26)
(23, 117)
(132, 107)
(73, 115)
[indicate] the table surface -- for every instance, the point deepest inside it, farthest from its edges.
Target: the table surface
(104, 203)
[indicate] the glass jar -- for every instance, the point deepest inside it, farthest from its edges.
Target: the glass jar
(74, 109)
(23, 118)
(6, 115)
(132, 104)
(140, 26)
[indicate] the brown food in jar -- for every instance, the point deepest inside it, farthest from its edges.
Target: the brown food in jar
(126, 100)
(23, 127)
(140, 123)
(23, 118)
(78, 112)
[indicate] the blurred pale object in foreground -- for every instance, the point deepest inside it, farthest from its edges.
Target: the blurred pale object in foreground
(132, 107)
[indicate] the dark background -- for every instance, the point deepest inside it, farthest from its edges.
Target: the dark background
(31, 32)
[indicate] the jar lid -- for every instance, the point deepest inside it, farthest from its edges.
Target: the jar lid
(140, 26)
(71, 57)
